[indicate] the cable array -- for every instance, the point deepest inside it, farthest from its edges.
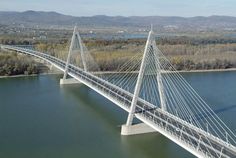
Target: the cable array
(180, 98)
(125, 76)
(161, 85)
(81, 57)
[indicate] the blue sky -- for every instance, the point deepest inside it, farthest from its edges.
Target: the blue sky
(185, 8)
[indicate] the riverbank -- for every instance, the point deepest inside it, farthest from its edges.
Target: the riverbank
(210, 70)
(14, 76)
(181, 71)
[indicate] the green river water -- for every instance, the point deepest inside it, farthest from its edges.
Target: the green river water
(40, 119)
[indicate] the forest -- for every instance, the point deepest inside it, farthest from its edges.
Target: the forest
(184, 52)
(15, 64)
(188, 54)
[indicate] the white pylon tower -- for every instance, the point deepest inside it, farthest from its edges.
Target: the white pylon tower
(149, 44)
(75, 38)
(161, 89)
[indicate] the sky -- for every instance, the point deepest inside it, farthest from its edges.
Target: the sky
(185, 8)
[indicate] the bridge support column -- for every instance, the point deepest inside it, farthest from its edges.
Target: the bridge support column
(69, 81)
(66, 80)
(3, 49)
(51, 67)
(139, 82)
(69, 55)
(140, 128)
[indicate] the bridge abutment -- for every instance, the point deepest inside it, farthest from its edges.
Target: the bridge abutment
(135, 129)
(69, 81)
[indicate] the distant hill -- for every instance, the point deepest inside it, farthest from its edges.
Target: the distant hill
(49, 19)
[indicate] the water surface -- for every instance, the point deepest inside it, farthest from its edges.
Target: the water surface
(40, 119)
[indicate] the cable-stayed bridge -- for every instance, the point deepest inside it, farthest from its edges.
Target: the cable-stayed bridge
(151, 90)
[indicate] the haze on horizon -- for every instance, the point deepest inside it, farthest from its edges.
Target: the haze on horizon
(185, 8)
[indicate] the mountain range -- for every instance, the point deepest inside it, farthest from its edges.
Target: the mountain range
(49, 19)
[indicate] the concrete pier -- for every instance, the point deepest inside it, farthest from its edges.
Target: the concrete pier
(140, 128)
(69, 81)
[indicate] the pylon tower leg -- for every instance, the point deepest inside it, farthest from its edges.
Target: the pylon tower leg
(128, 128)
(64, 80)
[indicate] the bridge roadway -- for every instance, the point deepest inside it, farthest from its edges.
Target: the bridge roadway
(195, 140)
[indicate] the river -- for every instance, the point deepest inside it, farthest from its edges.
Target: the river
(40, 119)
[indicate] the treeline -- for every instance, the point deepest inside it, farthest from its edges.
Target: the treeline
(15, 42)
(163, 40)
(187, 40)
(14, 64)
(185, 53)
(91, 42)
(184, 57)
(188, 64)
(180, 64)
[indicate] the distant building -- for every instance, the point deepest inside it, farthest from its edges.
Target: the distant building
(120, 31)
(43, 37)
(171, 27)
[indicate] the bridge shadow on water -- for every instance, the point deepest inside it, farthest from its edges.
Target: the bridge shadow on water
(97, 106)
(140, 146)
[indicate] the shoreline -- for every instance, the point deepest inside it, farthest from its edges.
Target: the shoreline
(32, 75)
(180, 71)
(209, 70)
(112, 72)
